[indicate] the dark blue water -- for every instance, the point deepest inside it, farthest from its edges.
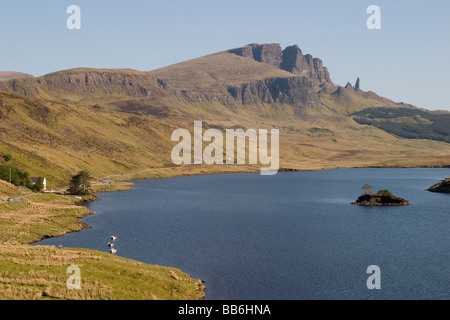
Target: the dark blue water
(290, 236)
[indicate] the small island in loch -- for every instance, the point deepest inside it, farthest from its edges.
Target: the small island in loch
(442, 186)
(381, 198)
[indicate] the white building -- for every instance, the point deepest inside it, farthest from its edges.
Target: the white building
(35, 180)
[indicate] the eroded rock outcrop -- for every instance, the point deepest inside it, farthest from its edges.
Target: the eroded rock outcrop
(382, 198)
(88, 82)
(442, 187)
(266, 53)
(357, 84)
(290, 59)
(296, 91)
(305, 65)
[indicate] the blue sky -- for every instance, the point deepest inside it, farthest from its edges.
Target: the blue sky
(407, 60)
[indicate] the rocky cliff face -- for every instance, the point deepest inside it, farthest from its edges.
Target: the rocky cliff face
(25, 87)
(107, 83)
(88, 84)
(85, 85)
(266, 53)
(442, 187)
(300, 91)
(290, 59)
(296, 91)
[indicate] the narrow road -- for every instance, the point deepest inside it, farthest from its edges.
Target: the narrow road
(32, 195)
(21, 197)
(106, 181)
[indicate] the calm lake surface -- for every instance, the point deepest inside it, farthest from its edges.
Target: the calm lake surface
(291, 236)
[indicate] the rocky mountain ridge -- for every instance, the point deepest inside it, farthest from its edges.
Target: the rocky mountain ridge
(86, 82)
(296, 91)
(252, 75)
(301, 89)
(290, 59)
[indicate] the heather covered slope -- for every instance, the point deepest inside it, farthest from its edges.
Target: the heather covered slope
(47, 138)
(55, 140)
(113, 121)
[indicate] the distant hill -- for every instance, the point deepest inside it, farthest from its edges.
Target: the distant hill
(250, 75)
(113, 89)
(9, 75)
(408, 122)
(52, 139)
(120, 120)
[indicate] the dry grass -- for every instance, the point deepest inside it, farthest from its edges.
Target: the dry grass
(214, 73)
(57, 139)
(8, 190)
(39, 272)
(8, 75)
(35, 218)
(52, 139)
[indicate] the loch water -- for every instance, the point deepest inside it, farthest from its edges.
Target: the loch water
(291, 236)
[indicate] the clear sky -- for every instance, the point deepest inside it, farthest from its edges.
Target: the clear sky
(407, 60)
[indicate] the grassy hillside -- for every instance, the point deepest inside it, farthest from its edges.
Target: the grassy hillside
(408, 123)
(345, 101)
(35, 218)
(110, 89)
(55, 140)
(8, 190)
(8, 75)
(214, 73)
(29, 273)
(36, 272)
(66, 123)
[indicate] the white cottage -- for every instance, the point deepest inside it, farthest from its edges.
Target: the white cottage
(35, 180)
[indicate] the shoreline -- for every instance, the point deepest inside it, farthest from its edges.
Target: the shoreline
(48, 216)
(123, 182)
(126, 184)
(122, 179)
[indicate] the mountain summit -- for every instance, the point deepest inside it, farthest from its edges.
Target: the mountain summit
(250, 75)
(124, 118)
(290, 59)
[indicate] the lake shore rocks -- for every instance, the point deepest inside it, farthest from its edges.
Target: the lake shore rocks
(382, 198)
(442, 186)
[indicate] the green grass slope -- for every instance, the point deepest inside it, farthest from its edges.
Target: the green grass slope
(51, 139)
(37, 272)
(40, 273)
(408, 123)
